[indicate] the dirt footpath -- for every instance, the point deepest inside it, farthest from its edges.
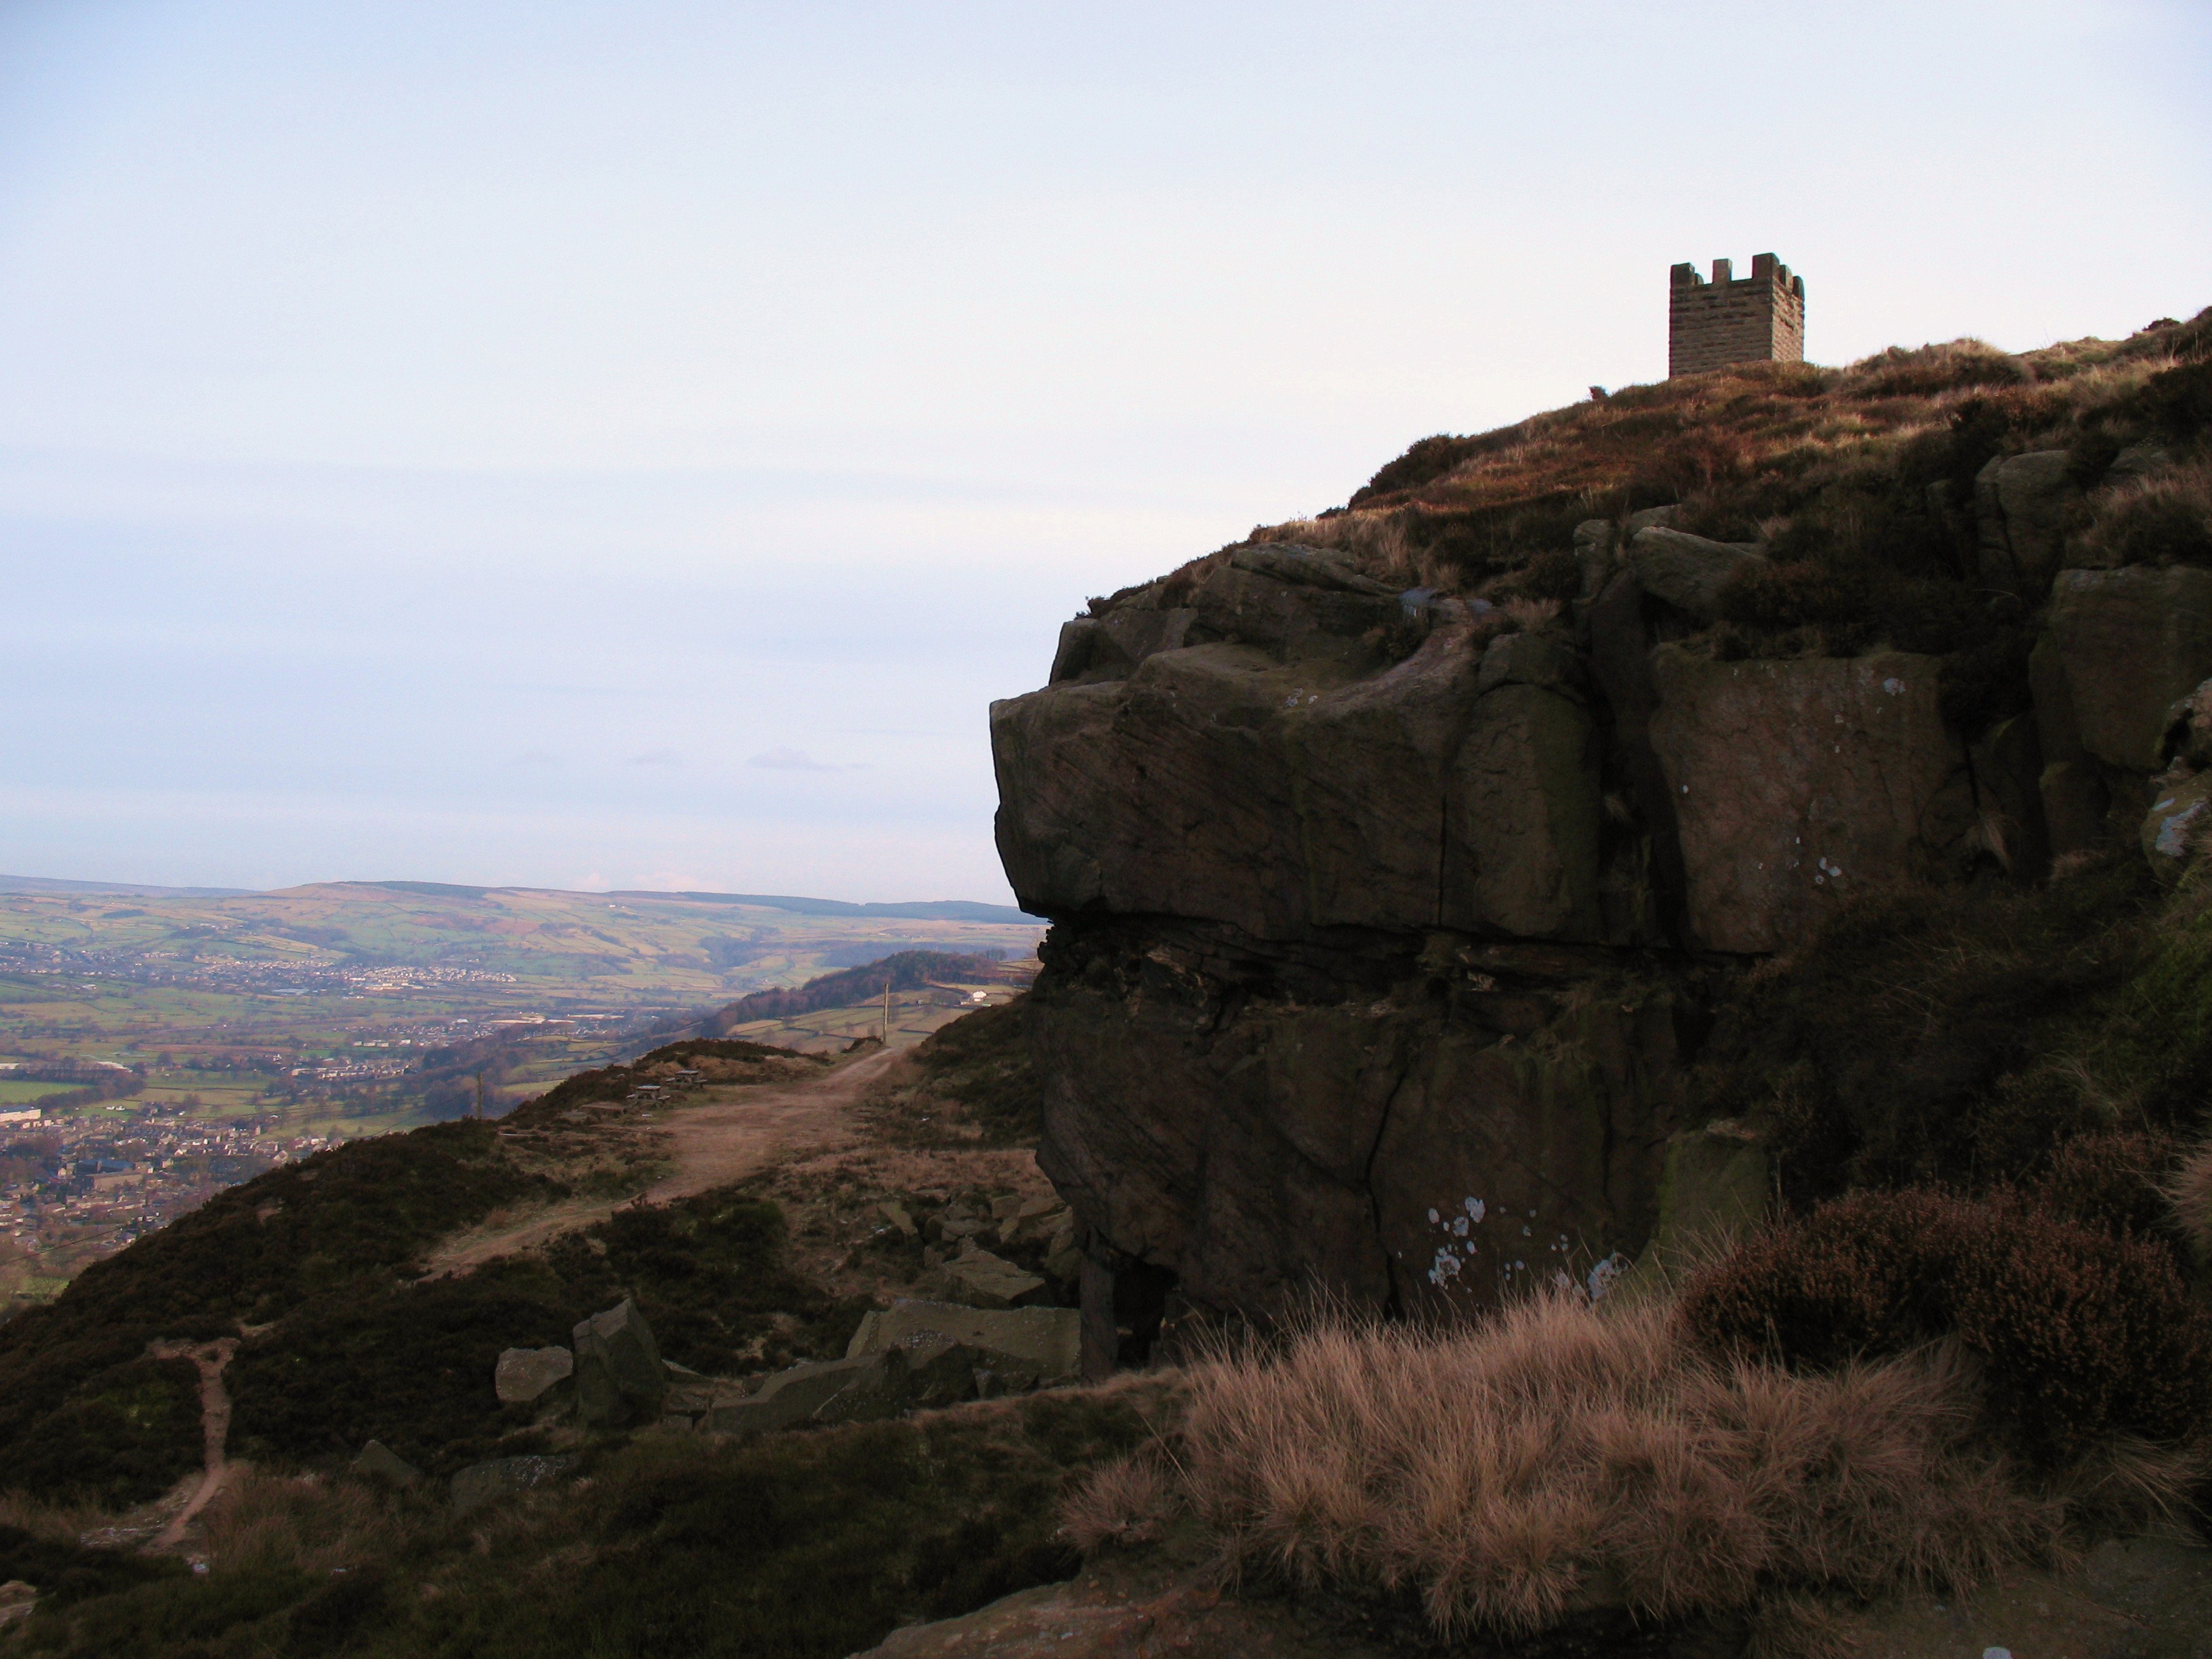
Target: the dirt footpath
(712, 1139)
(727, 1139)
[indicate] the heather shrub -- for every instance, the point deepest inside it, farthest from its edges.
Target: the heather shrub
(1555, 575)
(1914, 1039)
(1499, 1476)
(1930, 369)
(973, 1082)
(2110, 1180)
(1427, 460)
(805, 1545)
(2082, 1333)
(2176, 403)
(2165, 520)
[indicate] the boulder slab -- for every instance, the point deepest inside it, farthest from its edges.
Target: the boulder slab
(981, 1279)
(377, 1461)
(1456, 788)
(1687, 572)
(1047, 1339)
(487, 1483)
(2125, 644)
(619, 1375)
(525, 1374)
(857, 1389)
(2180, 815)
(2024, 507)
(1796, 782)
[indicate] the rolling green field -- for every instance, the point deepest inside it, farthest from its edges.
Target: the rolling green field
(317, 1004)
(15, 1091)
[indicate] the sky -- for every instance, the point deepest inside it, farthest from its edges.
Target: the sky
(589, 444)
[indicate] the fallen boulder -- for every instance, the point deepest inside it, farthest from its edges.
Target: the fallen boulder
(524, 1374)
(485, 1483)
(1687, 571)
(977, 1279)
(856, 1388)
(377, 1461)
(939, 1371)
(619, 1375)
(1047, 1339)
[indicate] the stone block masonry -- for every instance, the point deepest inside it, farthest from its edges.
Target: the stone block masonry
(1711, 325)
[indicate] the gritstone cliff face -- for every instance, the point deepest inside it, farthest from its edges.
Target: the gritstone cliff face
(1391, 901)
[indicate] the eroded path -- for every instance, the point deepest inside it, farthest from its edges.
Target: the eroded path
(730, 1133)
(209, 1358)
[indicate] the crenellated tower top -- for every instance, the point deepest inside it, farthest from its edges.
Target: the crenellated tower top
(1757, 319)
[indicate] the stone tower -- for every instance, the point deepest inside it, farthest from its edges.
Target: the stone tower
(1711, 324)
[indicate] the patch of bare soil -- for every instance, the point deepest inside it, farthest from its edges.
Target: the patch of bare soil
(2141, 1598)
(715, 1137)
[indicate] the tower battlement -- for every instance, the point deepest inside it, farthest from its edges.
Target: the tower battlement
(1757, 319)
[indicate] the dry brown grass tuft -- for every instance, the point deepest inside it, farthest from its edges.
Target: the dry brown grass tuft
(2190, 1190)
(1378, 543)
(62, 1522)
(1557, 1457)
(1529, 615)
(1122, 1503)
(306, 1523)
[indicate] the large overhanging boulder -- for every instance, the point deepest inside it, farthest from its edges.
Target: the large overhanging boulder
(1217, 781)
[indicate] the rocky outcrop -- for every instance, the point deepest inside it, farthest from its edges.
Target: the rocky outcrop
(1405, 1124)
(619, 1375)
(1386, 924)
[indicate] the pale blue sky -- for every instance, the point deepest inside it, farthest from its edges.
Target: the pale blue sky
(630, 444)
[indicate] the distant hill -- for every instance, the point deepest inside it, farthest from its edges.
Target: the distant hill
(918, 910)
(906, 970)
(926, 910)
(922, 910)
(132, 889)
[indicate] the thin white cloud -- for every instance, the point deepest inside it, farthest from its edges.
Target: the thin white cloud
(793, 760)
(656, 758)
